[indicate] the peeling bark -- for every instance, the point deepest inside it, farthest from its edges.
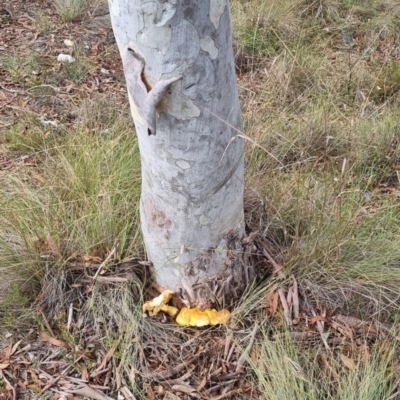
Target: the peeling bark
(179, 69)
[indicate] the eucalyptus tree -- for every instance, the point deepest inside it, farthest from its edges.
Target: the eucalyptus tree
(180, 75)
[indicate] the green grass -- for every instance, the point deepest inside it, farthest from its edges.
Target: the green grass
(71, 10)
(285, 371)
(83, 193)
(320, 97)
(79, 70)
(28, 70)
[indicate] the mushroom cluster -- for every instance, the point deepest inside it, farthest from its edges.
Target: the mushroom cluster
(187, 316)
(159, 303)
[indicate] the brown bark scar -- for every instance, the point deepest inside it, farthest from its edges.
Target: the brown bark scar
(158, 218)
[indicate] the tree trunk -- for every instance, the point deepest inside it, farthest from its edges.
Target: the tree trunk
(180, 74)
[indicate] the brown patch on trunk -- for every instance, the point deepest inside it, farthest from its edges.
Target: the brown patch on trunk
(157, 217)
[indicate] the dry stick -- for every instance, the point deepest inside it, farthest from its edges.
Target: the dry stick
(286, 311)
(112, 252)
(70, 314)
(320, 328)
(46, 322)
(296, 303)
(227, 343)
(220, 385)
(323, 313)
(242, 359)
(230, 352)
(127, 393)
(246, 352)
(278, 269)
(289, 298)
(50, 384)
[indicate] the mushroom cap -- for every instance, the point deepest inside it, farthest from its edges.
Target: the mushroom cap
(218, 317)
(196, 317)
(170, 310)
(158, 302)
(192, 317)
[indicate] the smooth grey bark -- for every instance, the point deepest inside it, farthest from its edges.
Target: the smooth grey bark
(180, 74)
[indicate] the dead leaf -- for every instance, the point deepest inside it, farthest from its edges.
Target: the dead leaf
(12, 349)
(109, 354)
(4, 366)
(171, 396)
(202, 384)
(348, 362)
(87, 391)
(313, 320)
(94, 259)
(352, 322)
(54, 341)
(150, 392)
(254, 356)
(184, 389)
(85, 373)
(21, 384)
(35, 378)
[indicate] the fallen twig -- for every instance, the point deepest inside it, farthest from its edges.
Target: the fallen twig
(108, 356)
(277, 268)
(296, 302)
(227, 344)
(246, 352)
(46, 322)
(285, 306)
(241, 361)
(70, 315)
(320, 328)
(50, 384)
(127, 393)
(110, 255)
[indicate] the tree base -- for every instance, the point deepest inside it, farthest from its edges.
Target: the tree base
(223, 291)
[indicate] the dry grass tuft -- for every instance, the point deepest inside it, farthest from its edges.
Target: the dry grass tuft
(71, 10)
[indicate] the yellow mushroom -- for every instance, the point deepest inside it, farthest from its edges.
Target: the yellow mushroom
(196, 317)
(170, 310)
(186, 316)
(158, 303)
(218, 317)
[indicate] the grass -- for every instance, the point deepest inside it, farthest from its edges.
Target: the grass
(83, 192)
(284, 370)
(71, 10)
(320, 88)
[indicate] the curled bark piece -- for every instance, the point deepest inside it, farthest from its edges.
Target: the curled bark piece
(145, 101)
